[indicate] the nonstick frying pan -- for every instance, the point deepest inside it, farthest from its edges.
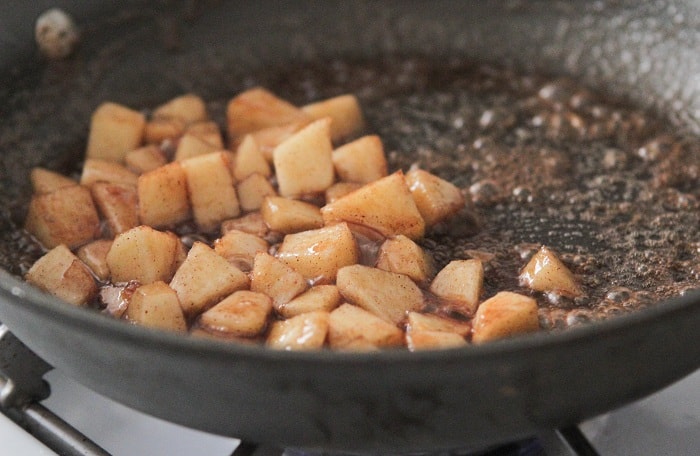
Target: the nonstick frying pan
(141, 54)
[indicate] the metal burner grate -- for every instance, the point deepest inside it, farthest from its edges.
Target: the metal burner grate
(22, 388)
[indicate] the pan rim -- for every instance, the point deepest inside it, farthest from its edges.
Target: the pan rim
(13, 290)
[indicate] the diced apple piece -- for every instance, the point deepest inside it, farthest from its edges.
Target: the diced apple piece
(436, 198)
(340, 189)
(361, 161)
(253, 190)
(204, 278)
(190, 146)
(240, 248)
(504, 315)
(145, 159)
(434, 323)
(290, 216)
(460, 281)
(353, 328)
(257, 108)
(545, 272)
(159, 130)
(163, 199)
(433, 340)
(95, 170)
(344, 110)
(211, 190)
(252, 223)
(45, 181)
(114, 131)
(403, 256)
(156, 306)
(303, 163)
(65, 216)
(118, 204)
(250, 160)
(385, 294)
(189, 108)
(306, 331)
(94, 255)
(385, 206)
(271, 137)
(319, 254)
(319, 297)
(207, 131)
(143, 254)
(63, 275)
(243, 314)
(276, 279)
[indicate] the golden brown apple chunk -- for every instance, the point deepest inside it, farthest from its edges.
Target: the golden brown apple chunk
(114, 131)
(156, 306)
(547, 273)
(118, 205)
(306, 331)
(403, 256)
(385, 294)
(145, 159)
(460, 281)
(344, 110)
(355, 329)
(63, 275)
(426, 331)
(95, 170)
(252, 223)
(204, 278)
(250, 160)
(158, 131)
(253, 190)
(94, 255)
(318, 297)
(361, 160)
(65, 216)
(319, 254)
(433, 340)
(163, 199)
(276, 279)
(504, 315)
(385, 206)
(190, 145)
(240, 248)
(143, 254)
(436, 198)
(188, 108)
(290, 216)
(45, 181)
(258, 108)
(242, 314)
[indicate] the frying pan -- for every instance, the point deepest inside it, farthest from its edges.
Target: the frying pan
(142, 54)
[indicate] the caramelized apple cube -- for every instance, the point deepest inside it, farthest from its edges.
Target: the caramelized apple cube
(252, 223)
(253, 190)
(504, 315)
(156, 306)
(205, 278)
(95, 170)
(190, 146)
(303, 163)
(434, 323)
(207, 131)
(290, 216)
(163, 199)
(344, 110)
(385, 206)
(460, 281)
(188, 108)
(340, 189)
(353, 328)
(403, 256)
(276, 279)
(114, 131)
(318, 297)
(361, 160)
(436, 198)
(547, 273)
(143, 254)
(45, 181)
(64, 216)
(319, 254)
(118, 204)
(242, 314)
(159, 130)
(257, 108)
(270, 137)
(386, 294)
(63, 275)
(240, 248)
(145, 159)
(306, 331)
(250, 160)
(211, 190)
(94, 255)
(433, 340)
